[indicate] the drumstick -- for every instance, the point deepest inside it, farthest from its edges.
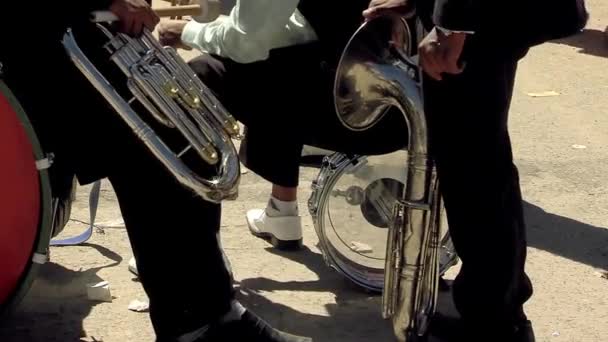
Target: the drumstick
(205, 10)
(178, 11)
(199, 10)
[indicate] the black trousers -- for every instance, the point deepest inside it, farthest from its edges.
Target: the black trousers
(174, 234)
(468, 122)
(286, 102)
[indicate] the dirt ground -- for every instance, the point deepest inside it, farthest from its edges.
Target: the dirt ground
(561, 147)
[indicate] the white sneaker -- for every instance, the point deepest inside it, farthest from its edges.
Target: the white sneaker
(283, 232)
(133, 266)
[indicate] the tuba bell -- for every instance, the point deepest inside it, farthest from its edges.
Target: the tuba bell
(171, 93)
(378, 71)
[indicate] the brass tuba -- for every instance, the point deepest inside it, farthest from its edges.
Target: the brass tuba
(377, 71)
(171, 93)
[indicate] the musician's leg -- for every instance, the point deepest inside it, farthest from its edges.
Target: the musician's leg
(278, 162)
(168, 225)
(274, 154)
(468, 115)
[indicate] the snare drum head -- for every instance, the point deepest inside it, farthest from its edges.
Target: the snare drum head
(20, 199)
(354, 213)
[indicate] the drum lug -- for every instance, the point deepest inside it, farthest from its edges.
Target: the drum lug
(355, 163)
(40, 259)
(313, 207)
(45, 163)
(328, 163)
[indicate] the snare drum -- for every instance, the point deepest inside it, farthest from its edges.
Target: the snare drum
(351, 205)
(25, 202)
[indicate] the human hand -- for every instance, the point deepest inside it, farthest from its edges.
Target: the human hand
(134, 16)
(170, 33)
(380, 7)
(440, 53)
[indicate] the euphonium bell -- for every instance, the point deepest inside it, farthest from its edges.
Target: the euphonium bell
(171, 93)
(376, 72)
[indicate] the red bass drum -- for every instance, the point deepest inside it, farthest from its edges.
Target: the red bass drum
(25, 202)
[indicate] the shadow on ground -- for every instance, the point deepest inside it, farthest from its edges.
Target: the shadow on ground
(56, 305)
(566, 237)
(589, 41)
(355, 316)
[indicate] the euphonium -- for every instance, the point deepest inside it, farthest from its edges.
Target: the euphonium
(377, 72)
(169, 90)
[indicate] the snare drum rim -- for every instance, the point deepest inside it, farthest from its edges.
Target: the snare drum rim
(44, 232)
(336, 165)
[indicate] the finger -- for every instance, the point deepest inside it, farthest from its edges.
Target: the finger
(429, 58)
(184, 46)
(162, 29)
(152, 19)
(429, 64)
(138, 27)
(451, 63)
(370, 13)
(163, 38)
(127, 26)
(453, 67)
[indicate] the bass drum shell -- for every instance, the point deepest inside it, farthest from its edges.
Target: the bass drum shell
(352, 206)
(25, 203)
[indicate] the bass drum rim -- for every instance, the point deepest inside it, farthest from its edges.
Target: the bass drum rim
(328, 176)
(39, 253)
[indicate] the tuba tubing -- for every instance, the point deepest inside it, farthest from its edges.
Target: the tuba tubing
(172, 93)
(376, 73)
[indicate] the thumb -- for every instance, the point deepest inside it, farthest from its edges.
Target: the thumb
(371, 13)
(453, 64)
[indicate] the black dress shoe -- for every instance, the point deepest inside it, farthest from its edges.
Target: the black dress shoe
(524, 332)
(249, 328)
(449, 329)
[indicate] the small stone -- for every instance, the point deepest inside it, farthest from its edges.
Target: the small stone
(360, 247)
(544, 94)
(99, 292)
(139, 306)
(117, 223)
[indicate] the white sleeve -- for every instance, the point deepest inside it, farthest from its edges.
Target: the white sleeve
(244, 36)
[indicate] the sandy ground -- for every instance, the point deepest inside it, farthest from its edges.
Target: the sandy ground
(566, 207)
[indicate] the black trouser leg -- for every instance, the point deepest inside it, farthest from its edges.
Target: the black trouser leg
(272, 158)
(468, 117)
(271, 147)
(175, 240)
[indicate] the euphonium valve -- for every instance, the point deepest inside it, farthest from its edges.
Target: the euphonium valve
(377, 72)
(171, 93)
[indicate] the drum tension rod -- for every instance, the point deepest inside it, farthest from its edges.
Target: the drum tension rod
(45, 163)
(415, 205)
